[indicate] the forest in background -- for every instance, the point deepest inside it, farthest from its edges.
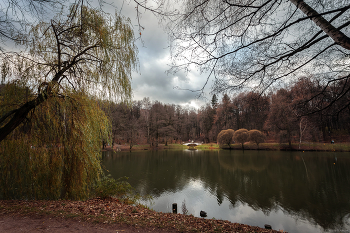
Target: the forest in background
(306, 111)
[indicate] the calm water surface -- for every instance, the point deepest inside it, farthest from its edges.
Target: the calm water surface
(293, 191)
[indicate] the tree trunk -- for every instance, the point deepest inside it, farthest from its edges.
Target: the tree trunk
(19, 115)
(301, 130)
(131, 140)
(338, 37)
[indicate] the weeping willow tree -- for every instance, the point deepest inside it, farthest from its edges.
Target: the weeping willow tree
(51, 127)
(56, 153)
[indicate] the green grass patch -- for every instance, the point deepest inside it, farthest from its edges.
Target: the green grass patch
(175, 146)
(209, 146)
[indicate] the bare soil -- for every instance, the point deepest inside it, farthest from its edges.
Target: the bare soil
(17, 223)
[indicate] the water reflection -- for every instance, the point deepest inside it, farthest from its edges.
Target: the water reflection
(294, 191)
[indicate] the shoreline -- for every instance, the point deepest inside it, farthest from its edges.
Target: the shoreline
(112, 212)
(321, 147)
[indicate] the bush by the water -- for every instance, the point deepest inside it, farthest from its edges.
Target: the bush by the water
(225, 137)
(241, 136)
(110, 187)
(256, 136)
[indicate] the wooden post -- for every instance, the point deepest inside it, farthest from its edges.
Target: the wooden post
(174, 208)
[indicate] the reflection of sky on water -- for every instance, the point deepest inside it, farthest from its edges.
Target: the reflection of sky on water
(196, 198)
(254, 187)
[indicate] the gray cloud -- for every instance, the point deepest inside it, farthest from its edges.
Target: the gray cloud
(154, 56)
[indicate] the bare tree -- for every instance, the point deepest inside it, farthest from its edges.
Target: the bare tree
(16, 15)
(207, 118)
(282, 119)
(256, 43)
(145, 114)
(302, 127)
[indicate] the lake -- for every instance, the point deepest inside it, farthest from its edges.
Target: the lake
(293, 191)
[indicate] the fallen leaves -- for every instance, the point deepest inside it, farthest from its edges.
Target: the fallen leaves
(112, 210)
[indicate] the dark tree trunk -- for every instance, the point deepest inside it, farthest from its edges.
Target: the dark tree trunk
(19, 115)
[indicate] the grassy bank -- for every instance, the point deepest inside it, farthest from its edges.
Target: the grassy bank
(338, 147)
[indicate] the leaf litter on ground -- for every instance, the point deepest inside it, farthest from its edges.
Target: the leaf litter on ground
(112, 210)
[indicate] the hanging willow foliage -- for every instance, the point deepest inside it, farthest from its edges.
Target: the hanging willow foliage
(86, 50)
(55, 154)
(51, 129)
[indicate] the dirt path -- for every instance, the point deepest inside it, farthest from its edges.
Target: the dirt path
(43, 223)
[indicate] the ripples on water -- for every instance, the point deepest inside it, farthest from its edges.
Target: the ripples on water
(293, 191)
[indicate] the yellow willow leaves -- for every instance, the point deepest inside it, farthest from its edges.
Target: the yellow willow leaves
(89, 52)
(56, 154)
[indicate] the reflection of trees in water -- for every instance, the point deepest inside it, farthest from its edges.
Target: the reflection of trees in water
(262, 179)
(252, 162)
(184, 208)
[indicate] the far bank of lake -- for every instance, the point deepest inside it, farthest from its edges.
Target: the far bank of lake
(307, 146)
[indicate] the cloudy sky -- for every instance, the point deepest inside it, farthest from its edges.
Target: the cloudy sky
(152, 79)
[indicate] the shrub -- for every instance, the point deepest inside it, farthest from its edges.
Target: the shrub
(241, 136)
(225, 137)
(256, 136)
(110, 187)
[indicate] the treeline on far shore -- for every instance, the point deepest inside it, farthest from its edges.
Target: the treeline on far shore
(302, 113)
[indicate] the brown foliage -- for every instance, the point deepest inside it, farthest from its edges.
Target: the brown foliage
(256, 136)
(225, 137)
(241, 136)
(111, 210)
